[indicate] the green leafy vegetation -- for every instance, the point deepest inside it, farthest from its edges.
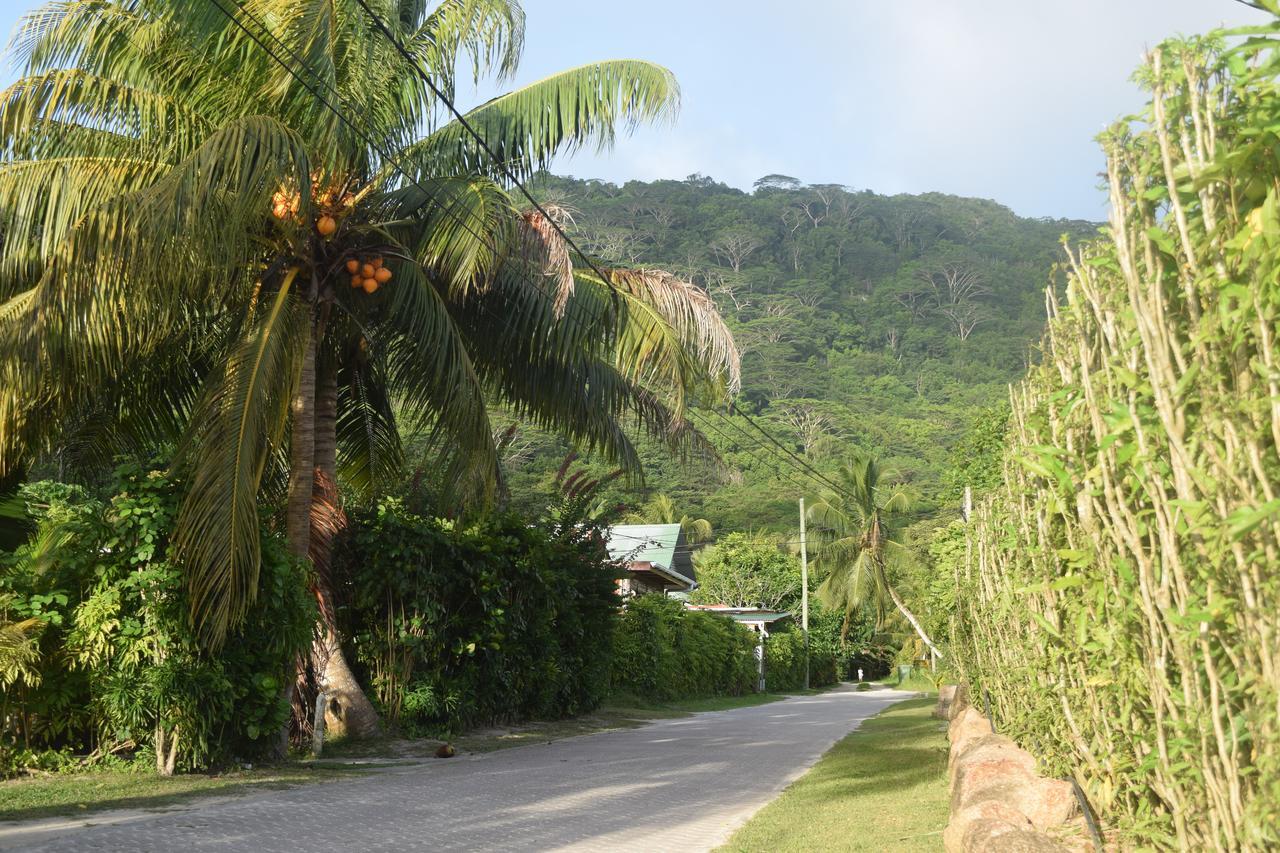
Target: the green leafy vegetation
(844, 305)
(784, 662)
(197, 255)
(662, 651)
(460, 625)
(1119, 597)
(881, 788)
(744, 571)
(119, 668)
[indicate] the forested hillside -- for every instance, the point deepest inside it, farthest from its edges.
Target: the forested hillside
(886, 323)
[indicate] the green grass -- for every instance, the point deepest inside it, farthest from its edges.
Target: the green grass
(881, 788)
(918, 682)
(63, 794)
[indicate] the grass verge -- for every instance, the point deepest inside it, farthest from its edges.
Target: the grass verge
(71, 794)
(881, 788)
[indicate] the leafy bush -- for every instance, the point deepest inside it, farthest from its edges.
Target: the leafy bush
(1120, 600)
(464, 624)
(747, 571)
(784, 662)
(118, 664)
(662, 651)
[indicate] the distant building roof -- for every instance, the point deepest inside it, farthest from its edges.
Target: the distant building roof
(743, 614)
(662, 545)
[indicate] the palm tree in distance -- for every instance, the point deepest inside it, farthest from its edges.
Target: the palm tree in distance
(196, 251)
(660, 509)
(858, 540)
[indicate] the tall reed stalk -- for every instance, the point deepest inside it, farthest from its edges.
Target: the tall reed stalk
(1120, 599)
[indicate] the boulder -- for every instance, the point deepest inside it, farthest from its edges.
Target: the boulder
(946, 697)
(987, 755)
(966, 725)
(983, 810)
(1007, 839)
(1044, 803)
(960, 702)
(1049, 803)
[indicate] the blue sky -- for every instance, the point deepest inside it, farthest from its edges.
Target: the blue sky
(993, 98)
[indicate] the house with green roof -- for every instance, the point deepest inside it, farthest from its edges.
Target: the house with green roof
(656, 557)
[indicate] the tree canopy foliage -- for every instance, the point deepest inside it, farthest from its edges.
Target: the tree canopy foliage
(881, 323)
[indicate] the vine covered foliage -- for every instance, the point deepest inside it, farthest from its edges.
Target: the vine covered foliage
(113, 664)
(662, 651)
(1120, 601)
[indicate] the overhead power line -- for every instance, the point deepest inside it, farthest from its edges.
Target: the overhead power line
(449, 210)
(484, 145)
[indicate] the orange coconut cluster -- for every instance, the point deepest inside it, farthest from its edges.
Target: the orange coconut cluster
(331, 202)
(368, 273)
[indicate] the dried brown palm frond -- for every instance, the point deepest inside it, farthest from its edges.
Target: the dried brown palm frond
(543, 248)
(692, 314)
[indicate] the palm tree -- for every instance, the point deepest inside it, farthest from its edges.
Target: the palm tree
(857, 535)
(660, 509)
(198, 251)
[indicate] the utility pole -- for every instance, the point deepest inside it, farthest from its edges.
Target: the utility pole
(804, 595)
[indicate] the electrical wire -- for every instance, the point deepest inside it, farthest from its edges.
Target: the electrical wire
(484, 145)
(448, 210)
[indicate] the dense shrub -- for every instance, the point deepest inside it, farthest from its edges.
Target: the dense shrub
(663, 651)
(863, 648)
(1120, 600)
(117, 663)
(457, 625)
(784, 662)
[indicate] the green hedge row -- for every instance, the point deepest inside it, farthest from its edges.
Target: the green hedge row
(463, 625)
(784, 663)
(1119, 599)
(663, 651)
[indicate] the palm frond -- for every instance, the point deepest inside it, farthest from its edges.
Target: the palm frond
(236, 427)
(527, 128)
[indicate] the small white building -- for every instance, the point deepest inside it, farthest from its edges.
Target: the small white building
(756, 618)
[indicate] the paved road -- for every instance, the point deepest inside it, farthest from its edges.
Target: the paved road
(678, 785)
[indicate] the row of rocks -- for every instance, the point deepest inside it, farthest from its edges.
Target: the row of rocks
(999, 804)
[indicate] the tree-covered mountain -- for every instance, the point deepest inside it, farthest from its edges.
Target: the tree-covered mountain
(885, 323)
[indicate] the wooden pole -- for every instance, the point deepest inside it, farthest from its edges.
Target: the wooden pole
(804, 595)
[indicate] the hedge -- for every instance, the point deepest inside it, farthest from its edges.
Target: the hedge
(458, 625)
(663, 651)
(784, 663)
(1120, 601)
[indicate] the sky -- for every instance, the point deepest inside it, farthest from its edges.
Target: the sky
(998, 99)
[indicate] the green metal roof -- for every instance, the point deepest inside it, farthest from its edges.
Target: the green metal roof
(661, 544)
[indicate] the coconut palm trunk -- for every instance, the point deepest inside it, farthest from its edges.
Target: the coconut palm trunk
(301, 466)
(911, 617)
(348, 711)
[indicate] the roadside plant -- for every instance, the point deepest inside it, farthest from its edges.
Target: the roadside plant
(120, 667)
(858, 543)
(1119, 598)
